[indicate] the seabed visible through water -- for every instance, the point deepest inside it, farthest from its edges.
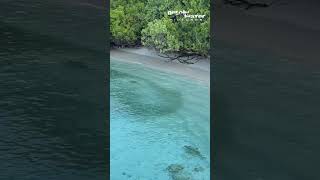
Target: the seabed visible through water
(159, 125)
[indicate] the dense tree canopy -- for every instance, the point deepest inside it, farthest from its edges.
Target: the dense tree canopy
(146, 22)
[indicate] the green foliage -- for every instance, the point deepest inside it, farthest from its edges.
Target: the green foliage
(146, 21)
(162, 35)
(126, 22)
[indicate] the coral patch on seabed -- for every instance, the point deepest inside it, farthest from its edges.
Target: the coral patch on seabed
(176, 172)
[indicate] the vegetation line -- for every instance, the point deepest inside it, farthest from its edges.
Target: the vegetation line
(147, 23)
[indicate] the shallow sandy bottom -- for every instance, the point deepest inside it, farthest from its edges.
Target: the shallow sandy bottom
(159, 123)
(199, 71)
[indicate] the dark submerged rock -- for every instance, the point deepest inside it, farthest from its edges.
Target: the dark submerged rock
(175, 168)
(176, 172)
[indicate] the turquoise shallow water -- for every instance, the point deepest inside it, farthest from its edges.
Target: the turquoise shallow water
(159, 125)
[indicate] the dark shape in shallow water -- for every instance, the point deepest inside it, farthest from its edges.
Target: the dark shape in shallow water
(176, 172)
(157, 101)
(198, 169)
(193, 151)
(175, 168)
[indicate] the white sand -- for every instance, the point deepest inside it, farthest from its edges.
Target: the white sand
(199, 71)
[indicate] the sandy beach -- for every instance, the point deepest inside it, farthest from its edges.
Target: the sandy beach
(199, 71)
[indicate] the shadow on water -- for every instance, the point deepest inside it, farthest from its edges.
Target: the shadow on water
(265, 124)
(143, 96)
(51, 112)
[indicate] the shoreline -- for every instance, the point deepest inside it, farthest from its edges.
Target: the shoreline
(199, 71)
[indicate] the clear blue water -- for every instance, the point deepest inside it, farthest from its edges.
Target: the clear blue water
(159, 125)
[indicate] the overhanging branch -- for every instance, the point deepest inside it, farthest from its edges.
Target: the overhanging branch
(182, 57)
